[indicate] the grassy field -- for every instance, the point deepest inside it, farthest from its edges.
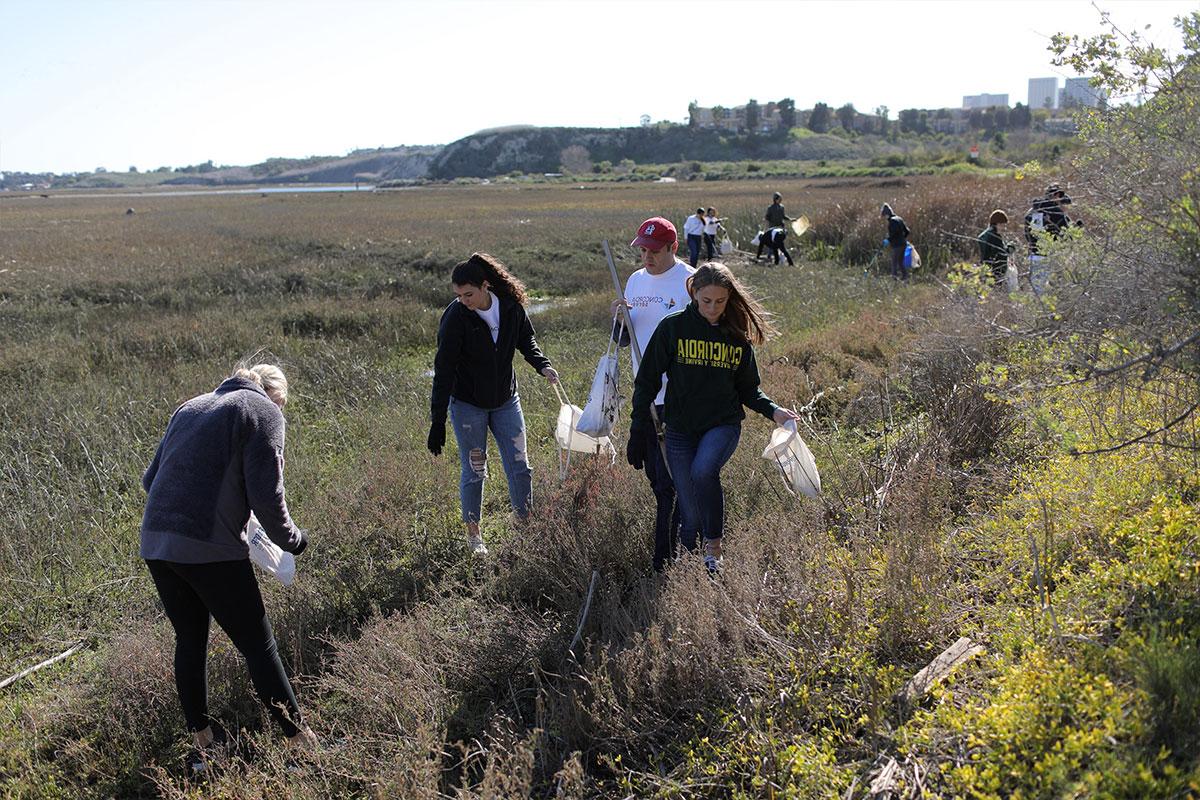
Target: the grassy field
(429, 674)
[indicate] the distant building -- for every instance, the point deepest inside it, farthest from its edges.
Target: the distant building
(984, 100)
(1080, 92)
(734, 119)
(1043, 93)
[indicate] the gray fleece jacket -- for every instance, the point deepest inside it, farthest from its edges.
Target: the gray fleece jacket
(220, 459)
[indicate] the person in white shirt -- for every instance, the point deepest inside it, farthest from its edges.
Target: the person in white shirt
(712, 226)
(693, 229)
(657, 289)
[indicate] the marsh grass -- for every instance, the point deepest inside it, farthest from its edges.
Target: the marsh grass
(427, 673)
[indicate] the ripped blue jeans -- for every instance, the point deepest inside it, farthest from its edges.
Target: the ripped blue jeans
(507, 423)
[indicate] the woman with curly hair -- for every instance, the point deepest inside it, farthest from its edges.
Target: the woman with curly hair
(473, 378)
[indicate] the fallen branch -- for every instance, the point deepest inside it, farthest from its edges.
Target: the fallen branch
(920, 684)
(72, 650)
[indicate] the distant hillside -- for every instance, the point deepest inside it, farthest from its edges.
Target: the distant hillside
(528, 149)
(362, 165)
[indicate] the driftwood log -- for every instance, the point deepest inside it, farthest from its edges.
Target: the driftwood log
(947, 661)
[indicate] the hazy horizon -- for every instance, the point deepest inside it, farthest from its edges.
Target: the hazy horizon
(149, 84)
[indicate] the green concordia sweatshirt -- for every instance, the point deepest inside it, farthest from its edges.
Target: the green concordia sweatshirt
(711, 374)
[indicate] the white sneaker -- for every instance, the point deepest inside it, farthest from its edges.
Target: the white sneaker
(476, 546)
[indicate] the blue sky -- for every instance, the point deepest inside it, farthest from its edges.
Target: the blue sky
(115, 83)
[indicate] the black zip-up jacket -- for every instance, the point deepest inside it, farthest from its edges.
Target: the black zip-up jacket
(470, 367)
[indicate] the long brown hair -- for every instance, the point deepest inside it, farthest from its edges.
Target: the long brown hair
(744, 316)
(482, 267)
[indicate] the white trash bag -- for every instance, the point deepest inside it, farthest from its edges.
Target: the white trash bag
(599, 416)
(795, 461)
(726, 246)
(571, 440)
(268, 556)
(1012, 278)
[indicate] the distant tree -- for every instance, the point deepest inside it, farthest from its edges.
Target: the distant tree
(693, 115)
(133, 170)
(163, 169)
(1021, 117)
(846, 115)
(998, 140)
(1001, 118)
(753, 116)
(100, 170)
(575, 159)
(207, 166)
(819, 119)
(787, 113)
(718, 113)
(884, 122)
(908, 120)
(923, 122)
(975, 119)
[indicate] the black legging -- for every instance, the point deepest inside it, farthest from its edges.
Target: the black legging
(229, 592)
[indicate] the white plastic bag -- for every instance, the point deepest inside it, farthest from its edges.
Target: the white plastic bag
(726, 246)
(1012, 278)
(570, 440)
(795, 461)
(599, 416)
(268, 556)
(757, 238)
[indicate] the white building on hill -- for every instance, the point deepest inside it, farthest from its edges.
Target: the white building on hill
(984, 100)
(1043, 93)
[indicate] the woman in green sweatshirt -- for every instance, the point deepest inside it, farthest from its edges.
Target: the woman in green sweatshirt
(706, 351)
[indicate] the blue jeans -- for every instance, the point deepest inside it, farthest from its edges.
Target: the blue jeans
(696, 461)
(507, 424)
(693, 241)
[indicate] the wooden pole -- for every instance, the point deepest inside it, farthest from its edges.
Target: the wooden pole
(75, 648)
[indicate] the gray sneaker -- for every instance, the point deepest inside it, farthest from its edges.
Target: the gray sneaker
(476, 546)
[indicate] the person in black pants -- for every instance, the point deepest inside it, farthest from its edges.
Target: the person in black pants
(221, 458)
(773, 239)
(897, 239)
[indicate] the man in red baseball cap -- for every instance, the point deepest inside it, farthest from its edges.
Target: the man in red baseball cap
(657, 289)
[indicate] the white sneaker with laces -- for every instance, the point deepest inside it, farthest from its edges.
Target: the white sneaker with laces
(476, 546)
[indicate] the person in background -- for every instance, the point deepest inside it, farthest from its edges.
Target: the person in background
(220, 459)
(706, 351)
(897, 239)
(1045, 218)
(776, 233)
(652, 292)
(693, 229)
(473, 377)
(712, 227)
(993, 252)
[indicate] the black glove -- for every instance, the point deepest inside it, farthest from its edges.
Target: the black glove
(303, 542)
(635, 450)
(437, 437)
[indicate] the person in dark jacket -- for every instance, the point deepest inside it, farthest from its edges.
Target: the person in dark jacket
(993, 252)
(706, 351)
(221, 458)
(897, 239)
(776, 233)
(473, 376)
(1045, 218)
